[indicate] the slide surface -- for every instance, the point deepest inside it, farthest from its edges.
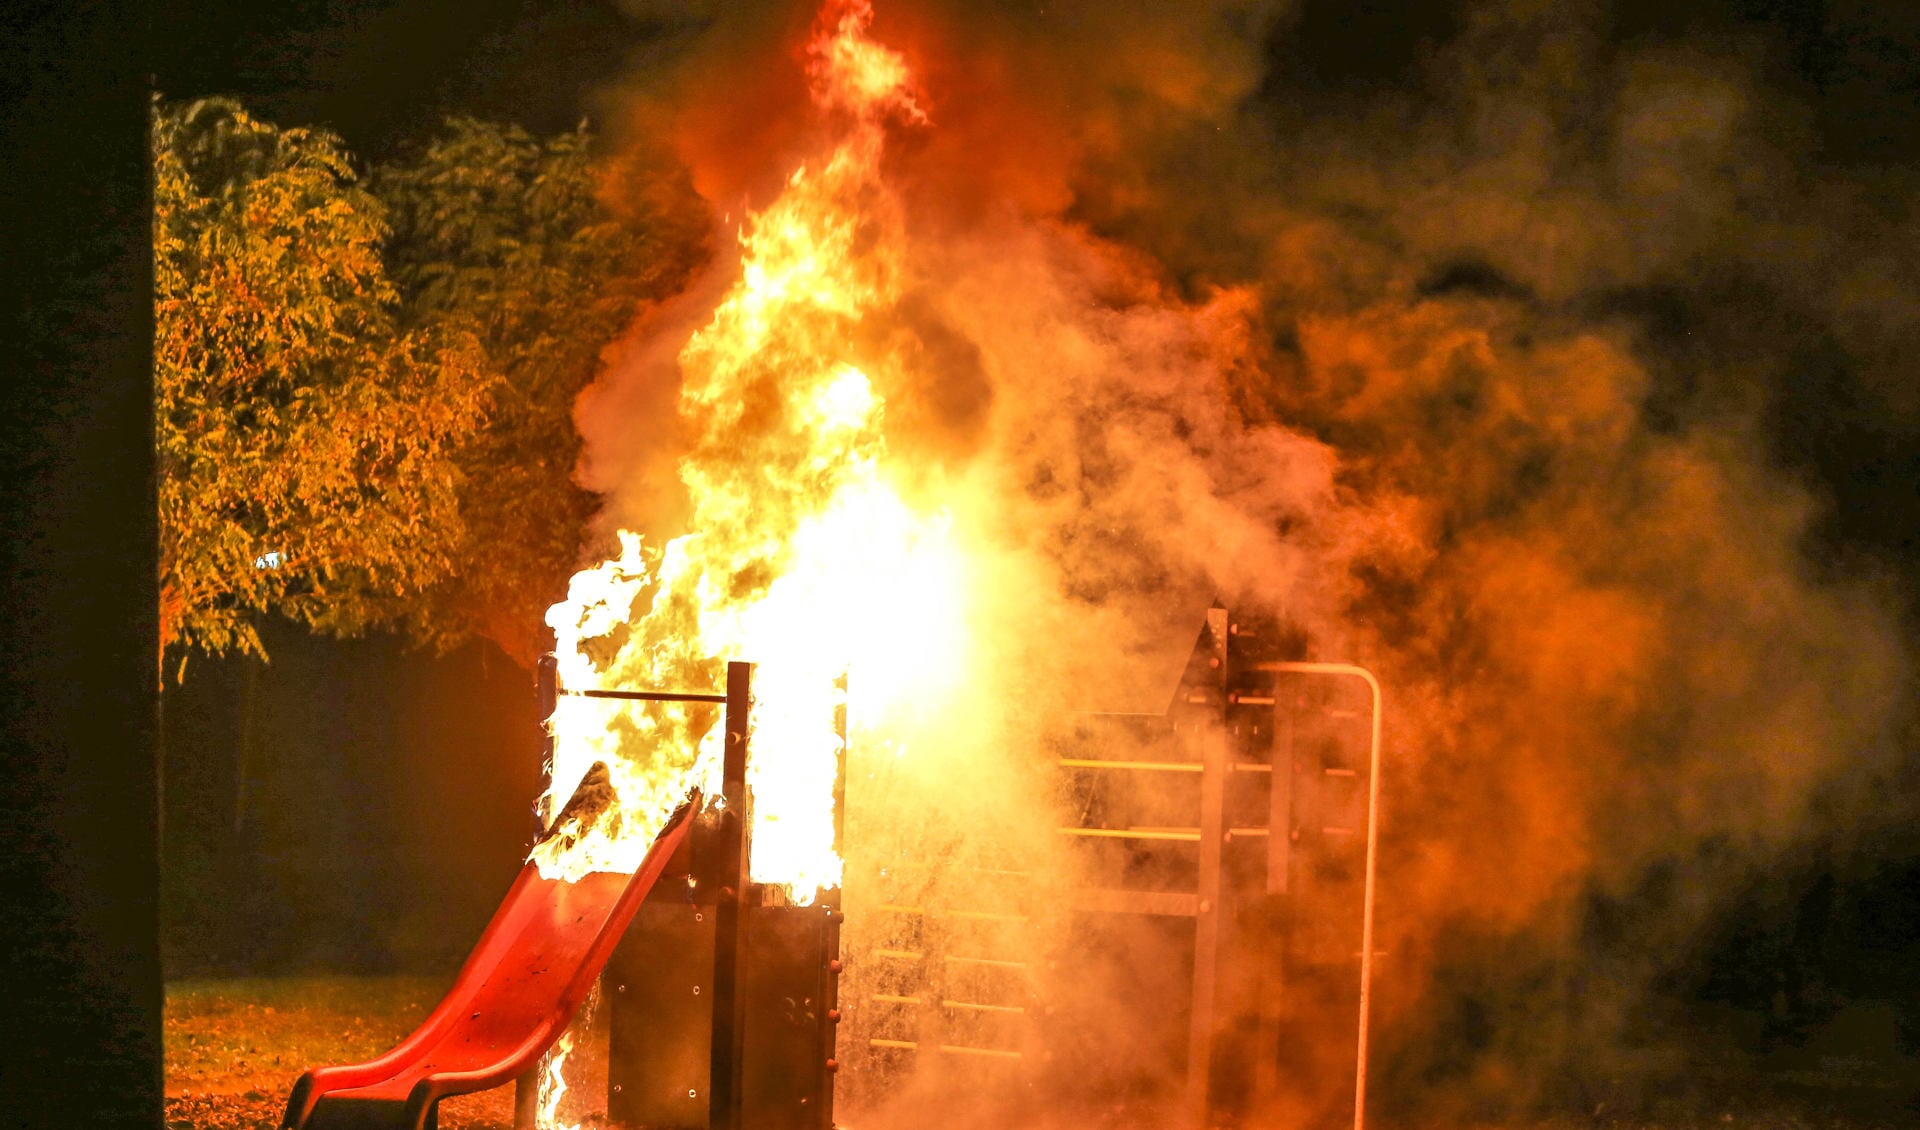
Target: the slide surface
(514, 997)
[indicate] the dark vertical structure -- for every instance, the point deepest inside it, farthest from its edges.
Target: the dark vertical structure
(546, 696)
(1214, 767)
(729, 1003)
(724, 995)
(79, 858)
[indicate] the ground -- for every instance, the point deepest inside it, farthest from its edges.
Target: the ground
(235, 1047)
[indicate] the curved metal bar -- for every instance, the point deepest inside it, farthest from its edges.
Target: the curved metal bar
(1373, 836)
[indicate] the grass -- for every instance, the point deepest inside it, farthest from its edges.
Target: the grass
(235, 1047)
(226, 1036)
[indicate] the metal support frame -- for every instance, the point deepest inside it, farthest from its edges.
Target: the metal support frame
(1373, 841)
(1216, 769)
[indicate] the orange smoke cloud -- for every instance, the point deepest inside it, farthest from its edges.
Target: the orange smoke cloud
(1155, 341)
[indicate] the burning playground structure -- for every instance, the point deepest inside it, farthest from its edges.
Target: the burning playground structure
(871, 862)
(1237, 946)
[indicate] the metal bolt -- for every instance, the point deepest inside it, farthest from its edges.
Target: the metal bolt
(698, 917)
(616, 1088)
(620, 989)
(696, 990)
(692, 1094)
(833, 966)
(833, 1014)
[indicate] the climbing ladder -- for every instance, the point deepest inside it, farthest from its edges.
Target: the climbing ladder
(1246, 810)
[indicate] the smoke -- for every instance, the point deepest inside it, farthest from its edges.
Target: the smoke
(1494, 355)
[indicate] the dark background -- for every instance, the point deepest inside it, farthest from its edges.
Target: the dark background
(385, 791)
(352, 806)
(80, 976)
(359, 806)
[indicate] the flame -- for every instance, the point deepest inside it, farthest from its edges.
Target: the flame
(805, 558)
(851, 72)
(553, 1085)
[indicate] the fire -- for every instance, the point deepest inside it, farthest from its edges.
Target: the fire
(804, 556)
(553, 1086)
(850, 71)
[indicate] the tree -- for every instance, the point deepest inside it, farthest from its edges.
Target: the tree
(307, 441)
(517, 243)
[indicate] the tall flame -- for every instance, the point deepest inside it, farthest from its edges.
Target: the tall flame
(804, 558)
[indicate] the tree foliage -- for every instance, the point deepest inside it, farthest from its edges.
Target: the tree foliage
(365, 391)
(306, 439)
(515, 242)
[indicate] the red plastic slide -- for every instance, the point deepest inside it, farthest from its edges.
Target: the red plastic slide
(513, 998)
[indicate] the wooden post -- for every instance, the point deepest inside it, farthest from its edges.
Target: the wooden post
(1286, 702)
(729, 1004)
(1280, 800)
(546, 694)
(1206, 923)
(526, 1098)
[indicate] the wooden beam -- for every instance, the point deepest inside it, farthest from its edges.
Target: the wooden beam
(1206, 919)
(729, 1004)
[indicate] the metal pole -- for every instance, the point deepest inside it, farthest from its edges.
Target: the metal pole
(729, 1004)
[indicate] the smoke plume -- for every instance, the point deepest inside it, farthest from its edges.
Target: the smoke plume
(1484, 362)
